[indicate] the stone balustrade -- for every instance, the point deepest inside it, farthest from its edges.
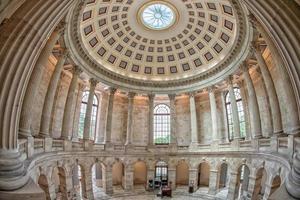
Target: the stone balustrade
(65, 156)
(40, 145)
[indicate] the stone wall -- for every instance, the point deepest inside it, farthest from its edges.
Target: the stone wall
(40, 96)
(119, 119)
(140, 120)
(183, 120)
(278, 83)
(263, 103)
(59, 105)
(204, 118)
(102, 116)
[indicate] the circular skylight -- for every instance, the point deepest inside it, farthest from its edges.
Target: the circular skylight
(158, 16)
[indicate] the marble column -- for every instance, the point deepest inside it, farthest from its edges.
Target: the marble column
(193, 178)
(173, 136)
(213, 110)
(33, 86)
(107, 180)
(68, 111)
(50, 95)
(150, 176)
(68, 187)
(81, 88)
(213, 181)
(252, 190)
(107, 137)
(172, 177)
(232, 186)
(128, 185)
(129, 132)
(193, 115)
(284, 86)
(51, 188)
(150, 125)
(273, 99)
(89, 109)
(255, 123)
(225, 136)
(89, 194)
(234, 110)
(293, 180)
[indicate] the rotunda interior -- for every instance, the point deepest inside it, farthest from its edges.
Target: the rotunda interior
(149, 99)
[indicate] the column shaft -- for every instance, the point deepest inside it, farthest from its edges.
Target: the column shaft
(78, 102)
(67, 123)
(129, 132)
(50, 95)
(151, 111)
(33, 85)
(173, 136)
(235, 113)
(107, 138)
(253, 105)
(88, 113)
(232, 186)
(284, 86)
(213, 110)
(213, 182)
(273, 99)
(194, 127)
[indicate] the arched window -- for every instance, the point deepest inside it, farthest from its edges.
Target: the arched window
(161, 124)
(83, 107)
(239, 102)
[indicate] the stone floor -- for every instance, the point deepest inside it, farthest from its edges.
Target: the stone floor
(139, 193)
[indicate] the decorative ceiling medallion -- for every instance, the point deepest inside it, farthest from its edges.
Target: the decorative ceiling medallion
(157, 15)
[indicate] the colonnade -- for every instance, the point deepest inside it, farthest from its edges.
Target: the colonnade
(254, 113)
(238, 179)
(28, 32)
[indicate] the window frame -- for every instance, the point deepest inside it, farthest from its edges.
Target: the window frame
(241, 113)
(164, 120)
(94, 115)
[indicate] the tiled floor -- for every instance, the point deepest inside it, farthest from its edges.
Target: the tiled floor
(139, 193)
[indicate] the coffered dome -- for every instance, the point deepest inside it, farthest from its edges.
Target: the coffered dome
(159, 44)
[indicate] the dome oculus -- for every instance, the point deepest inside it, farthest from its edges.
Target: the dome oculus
(157, 16)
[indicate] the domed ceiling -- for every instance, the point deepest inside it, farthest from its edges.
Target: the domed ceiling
(158, 44)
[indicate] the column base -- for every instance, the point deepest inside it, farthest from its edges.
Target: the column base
(109, 146)
(43, 135)
(279, 133)
(12, 172)
(24, 133)
(29, 191)
(292, 183)
(48, 144)
(67, 145)
(87, 145)
(193, 145)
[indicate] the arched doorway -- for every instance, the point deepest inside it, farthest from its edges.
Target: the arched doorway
(98, 172)
(78, 179)
(259, 186)
(118, 175)
(275, 184)
(161, 174)
(140, 174)
(242, 182)
(182, 174)
(223, 176)
(43, 183)
(203, 175)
